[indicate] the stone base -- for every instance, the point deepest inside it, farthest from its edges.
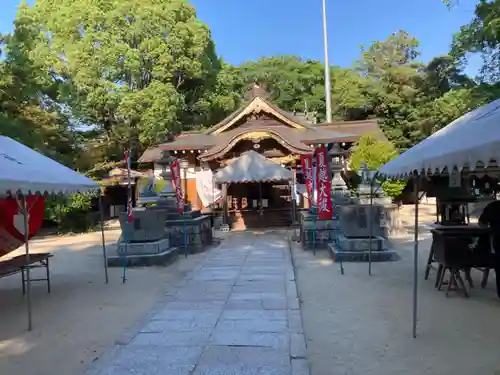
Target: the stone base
(361, 256)
(144, 260)
(361, 243)
(224, 228)
(197, 231)
(317, 234)
(143, 248)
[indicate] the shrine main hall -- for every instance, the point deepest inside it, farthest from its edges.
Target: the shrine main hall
(258, 138)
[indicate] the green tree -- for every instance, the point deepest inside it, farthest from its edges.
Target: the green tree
(27, 112)
(295, 84)
(135, 70)
(394, 83)
(481, 36)
(375, 153)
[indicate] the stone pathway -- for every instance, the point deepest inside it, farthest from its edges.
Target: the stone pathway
(236, 314)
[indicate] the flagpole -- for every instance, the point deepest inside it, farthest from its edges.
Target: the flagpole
(328, 83)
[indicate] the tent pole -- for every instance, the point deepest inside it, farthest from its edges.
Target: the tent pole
(105, 256)
(27, 247)
(415, 260)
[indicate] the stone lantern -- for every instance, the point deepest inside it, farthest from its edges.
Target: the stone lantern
(337, 156)
(165, 174)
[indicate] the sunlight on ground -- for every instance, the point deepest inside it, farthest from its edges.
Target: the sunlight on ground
(15, 346)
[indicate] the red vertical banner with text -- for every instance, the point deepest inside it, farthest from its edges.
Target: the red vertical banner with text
(307, 170)
(175, 170)
(323, 185)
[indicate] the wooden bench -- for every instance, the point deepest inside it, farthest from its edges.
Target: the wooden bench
(20, 264)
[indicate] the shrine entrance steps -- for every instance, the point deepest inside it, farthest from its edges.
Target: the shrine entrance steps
(278, 218)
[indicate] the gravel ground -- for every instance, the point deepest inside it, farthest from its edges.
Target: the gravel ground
(83, 316)
(361, 325)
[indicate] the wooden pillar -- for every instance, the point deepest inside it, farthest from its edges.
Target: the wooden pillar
(224, 202)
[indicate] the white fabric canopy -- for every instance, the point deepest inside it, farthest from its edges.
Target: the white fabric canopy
(470, 141)
(252, 167)
(26, 171)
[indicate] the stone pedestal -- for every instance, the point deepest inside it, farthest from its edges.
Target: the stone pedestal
(142, 248)
(355, 220)
(199, 232)
(316, 234)
(146, 225)
(362, 227)
(358, 250)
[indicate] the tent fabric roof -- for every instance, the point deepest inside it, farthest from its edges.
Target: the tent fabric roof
(26, 171)
(252, 167)
(470, 141)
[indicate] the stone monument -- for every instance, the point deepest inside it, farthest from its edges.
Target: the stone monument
(362, 225)
(144, 240)
(156, 232)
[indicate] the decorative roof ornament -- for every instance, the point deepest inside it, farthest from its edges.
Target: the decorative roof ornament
(255, 91)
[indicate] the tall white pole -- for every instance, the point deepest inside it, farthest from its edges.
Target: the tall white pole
(328, 84)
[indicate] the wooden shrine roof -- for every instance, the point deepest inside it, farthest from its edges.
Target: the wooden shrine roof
(258, 117)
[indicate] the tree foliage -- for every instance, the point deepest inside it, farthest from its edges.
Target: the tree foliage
(81, 80)
(374, 153)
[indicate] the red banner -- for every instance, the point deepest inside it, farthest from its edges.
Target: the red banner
(175, 170)
(323, 183)
(307, 170)
(12, 222)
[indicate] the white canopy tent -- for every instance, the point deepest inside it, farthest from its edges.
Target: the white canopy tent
(252, 167)
(24, 172)
(470, 142)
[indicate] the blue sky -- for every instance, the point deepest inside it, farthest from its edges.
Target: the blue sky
(248, 29)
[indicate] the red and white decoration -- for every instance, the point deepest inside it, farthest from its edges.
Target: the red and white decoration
(323, 185)
(175, 170)
(12, 221)
(307, 170)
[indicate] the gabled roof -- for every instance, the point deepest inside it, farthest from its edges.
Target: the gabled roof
(252, 167)
(355, 127)
(259, 105)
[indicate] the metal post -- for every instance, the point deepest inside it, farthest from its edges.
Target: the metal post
(415, 260)
(27, 258)
(328, 84)
(370, 228)
(105, 256)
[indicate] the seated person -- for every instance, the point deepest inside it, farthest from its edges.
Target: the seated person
(491, 217)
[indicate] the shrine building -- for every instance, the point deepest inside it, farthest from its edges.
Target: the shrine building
(279, 136)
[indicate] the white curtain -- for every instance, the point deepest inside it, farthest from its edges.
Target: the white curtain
(206, 188)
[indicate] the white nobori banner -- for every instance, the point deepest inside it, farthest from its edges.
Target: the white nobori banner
(206, 188)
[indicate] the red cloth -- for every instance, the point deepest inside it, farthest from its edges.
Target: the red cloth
(175, 170)
(12, 222)
(323, 185)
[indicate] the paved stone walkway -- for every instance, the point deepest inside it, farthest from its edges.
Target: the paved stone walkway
(236, 314)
